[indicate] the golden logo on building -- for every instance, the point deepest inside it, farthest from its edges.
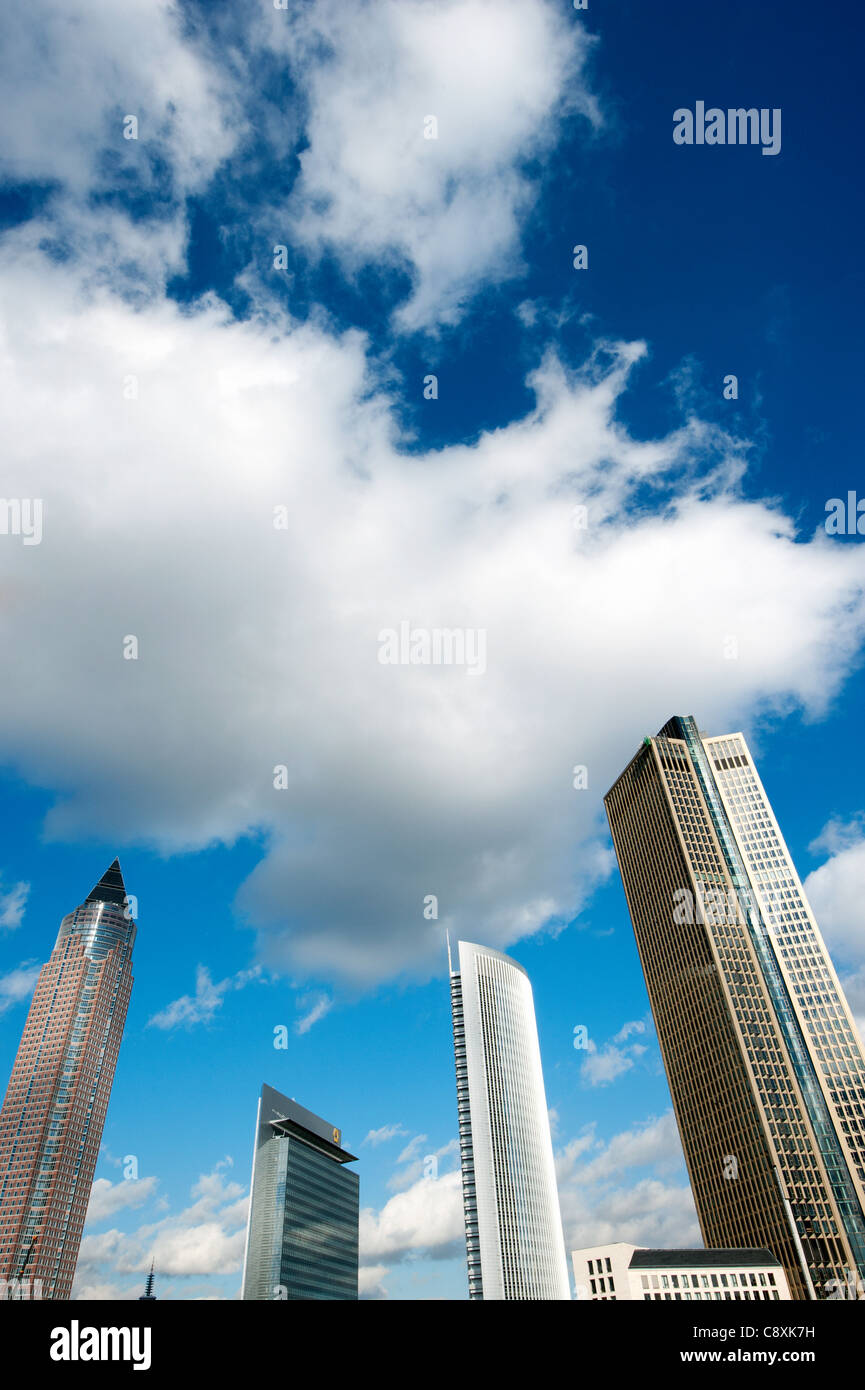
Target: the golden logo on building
(336, 1136)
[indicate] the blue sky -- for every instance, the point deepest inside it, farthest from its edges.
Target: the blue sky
(166, 388)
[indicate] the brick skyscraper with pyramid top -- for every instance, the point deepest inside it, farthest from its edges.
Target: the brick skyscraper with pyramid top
(52, 1118)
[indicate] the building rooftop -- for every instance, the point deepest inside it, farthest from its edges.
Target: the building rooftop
(493, 954)
(110, 888)
(701, 1259)
(283, 1115)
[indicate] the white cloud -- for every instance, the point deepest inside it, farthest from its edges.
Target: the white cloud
(12, 904)
(838, 835)
(370, 1281)
(18, 984)
(651, 1213)
(107, 1198)
(204, 1239)
(854, 989)
(498, 76)
(189, 1010)
(105, 1291)
(381, 1136)
(428, 1217)
(834, 890)
(625, 1189)
(603, 1065)
(317, 1006)
(206, 1248)
(654, 1143)
(412, 1149)
(410, 779)
(628, 1029)
(414, 1163)
(68, 82)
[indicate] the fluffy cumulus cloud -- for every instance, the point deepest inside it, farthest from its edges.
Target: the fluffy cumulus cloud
(13, 901)
(261, 527)
(423, 1220)
(112, 115)
(370, 1283)
(631, 1187)
(835, 889)
(422, 121)
(71, 77)
(18, 984)
(426, 1218)
(854, 988)
(602, 1065)
(835, 893)
(107, 1198)
(232, 521)
(190, 1248)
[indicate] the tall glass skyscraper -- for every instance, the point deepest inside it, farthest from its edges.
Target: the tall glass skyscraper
(765, 1067)
(52, 1117)
(514, 1241)
(301, 1238)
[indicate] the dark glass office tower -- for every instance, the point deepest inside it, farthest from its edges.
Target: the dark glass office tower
(52, 1117)
(301, 1239)
(766, 1071)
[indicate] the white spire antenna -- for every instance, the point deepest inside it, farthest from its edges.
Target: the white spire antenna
(450, 963)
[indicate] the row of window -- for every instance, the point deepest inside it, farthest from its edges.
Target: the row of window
(758, 1278)
(751, 1294)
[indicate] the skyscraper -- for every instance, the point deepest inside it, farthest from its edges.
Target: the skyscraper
(514, 1243)
(301, 1237)
(52, 1118)
(764, 1063)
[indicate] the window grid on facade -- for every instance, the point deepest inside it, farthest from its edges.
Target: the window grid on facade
(514, 1238)
(748, 1134)
(53, 1115)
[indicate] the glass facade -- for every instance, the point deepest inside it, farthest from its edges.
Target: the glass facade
(761, 1054)
(302, 1238)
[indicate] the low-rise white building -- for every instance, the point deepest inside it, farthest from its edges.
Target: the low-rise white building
(620, 1271)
